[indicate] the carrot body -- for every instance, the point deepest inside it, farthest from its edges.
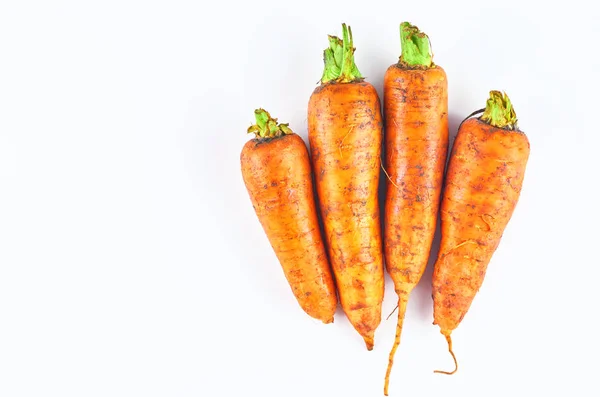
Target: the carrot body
(416, 114)
(277, 174)
(345, 134)
(483, 183)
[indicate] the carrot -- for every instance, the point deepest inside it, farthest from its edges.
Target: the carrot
(277, 174)
(345, 134)
(482, 187)
(416, 140)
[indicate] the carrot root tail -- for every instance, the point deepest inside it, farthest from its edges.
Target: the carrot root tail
(369, 341)
(402, 301)
(449, 340)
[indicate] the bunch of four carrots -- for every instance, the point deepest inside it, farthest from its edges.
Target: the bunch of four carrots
(475, 194)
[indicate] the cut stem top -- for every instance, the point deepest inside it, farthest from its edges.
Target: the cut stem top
(339, 59)
(267, 127)
(416, 48)
(499, 111)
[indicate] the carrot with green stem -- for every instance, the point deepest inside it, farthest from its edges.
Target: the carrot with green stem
(416, 143)
(345, 135)
(277, 173)
(483, 184)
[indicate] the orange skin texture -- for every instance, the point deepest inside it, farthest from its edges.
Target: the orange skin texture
(483, 183)
(416, 142)
(345, 136)
(277, 175)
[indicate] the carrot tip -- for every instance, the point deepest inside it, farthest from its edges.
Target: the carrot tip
(449, 340)
(369, 342)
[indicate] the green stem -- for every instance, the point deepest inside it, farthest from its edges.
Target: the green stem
(499, 111)
(339, 59)
(416, 48)
(267, 126)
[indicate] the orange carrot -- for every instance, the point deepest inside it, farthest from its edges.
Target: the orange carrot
(345, 133)
(483, 183)
(277, 174)
(416, 138)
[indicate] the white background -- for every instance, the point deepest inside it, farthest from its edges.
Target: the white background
(131, 261)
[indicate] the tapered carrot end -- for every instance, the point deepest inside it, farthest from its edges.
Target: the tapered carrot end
(369, 341)
(449, 340)
(327, 320)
